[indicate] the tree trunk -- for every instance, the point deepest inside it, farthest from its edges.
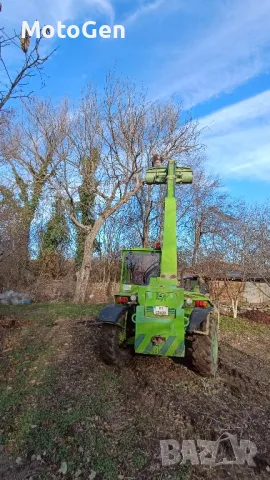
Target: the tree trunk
(85, 270)
(197, 242)
(25, 249)
(145, 238)
(235, 307)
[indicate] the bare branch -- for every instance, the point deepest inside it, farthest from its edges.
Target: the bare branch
(31, 64)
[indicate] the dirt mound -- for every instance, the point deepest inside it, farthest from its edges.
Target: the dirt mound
(256, 316)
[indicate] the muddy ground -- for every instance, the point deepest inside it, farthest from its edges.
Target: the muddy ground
(67, 415)
(256, 316)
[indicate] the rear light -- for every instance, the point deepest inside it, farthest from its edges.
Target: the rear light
(121, 299)
(201, 303)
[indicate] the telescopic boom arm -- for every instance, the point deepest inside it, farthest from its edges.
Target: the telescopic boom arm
(171, 176)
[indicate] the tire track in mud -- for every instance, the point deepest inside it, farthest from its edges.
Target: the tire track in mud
(152, 385)
(240, 392)
(167, 400)
(244, 374)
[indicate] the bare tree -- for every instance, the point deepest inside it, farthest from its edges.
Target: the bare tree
(227, 261)
(257, 220)
(123, 126)
(144, 213)
(111, 240)
(32, 148)
(206, 216)
(143, 216)
(12, 240)
(14, 85)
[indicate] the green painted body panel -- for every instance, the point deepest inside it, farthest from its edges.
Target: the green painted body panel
(170, 327)
(169, 251)
(159, 175)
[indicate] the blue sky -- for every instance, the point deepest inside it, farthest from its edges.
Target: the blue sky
(214, 55)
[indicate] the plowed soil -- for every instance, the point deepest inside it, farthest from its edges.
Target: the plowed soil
(256, 316)
(105, 423)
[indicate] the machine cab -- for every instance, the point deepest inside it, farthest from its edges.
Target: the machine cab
(138, 266)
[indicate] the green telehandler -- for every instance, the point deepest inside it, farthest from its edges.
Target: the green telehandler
(152, 314)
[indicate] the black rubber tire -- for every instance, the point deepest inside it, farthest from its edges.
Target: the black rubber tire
(203, 359)
(111, 352)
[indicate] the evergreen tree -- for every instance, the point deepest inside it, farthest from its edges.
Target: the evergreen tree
(55, 237)
(85, 206)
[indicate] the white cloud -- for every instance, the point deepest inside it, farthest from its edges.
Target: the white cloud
(48, 12)
(230, 49)
(144, 9)
(249, 111)
(238, 138)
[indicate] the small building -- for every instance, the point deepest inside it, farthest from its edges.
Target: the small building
(251, 288)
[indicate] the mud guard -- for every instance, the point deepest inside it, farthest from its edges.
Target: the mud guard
(112, 314)
(197, 317)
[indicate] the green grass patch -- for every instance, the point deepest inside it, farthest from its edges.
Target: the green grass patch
(242, 326)
(35, 416)
(50, 311)
(182, 473)
(139, 460)
(105, 465)
(28, 373)
(27, 376)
